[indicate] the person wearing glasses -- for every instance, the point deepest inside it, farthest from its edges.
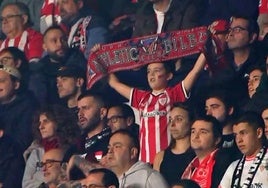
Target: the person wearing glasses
(121, 116)
(53, 168)
(16, 25)
(54, 127)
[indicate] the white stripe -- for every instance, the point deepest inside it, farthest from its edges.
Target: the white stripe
(157, 128)
(187, 96)
(11, 42)
(23, 41)
(146, 124)
(168, 107)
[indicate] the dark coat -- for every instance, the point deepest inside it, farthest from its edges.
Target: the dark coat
(17, 117)
(11, 163)
(182, 14)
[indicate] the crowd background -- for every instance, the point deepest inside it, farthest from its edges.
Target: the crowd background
(162, 125)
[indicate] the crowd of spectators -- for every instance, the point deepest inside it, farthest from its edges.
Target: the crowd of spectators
(196, 121)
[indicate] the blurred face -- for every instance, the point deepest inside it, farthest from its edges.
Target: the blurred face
(47, 127)
(93, 180)
(7, 59)
(115, 119)
(67, 86)
(254, 81)
(119, 152)
(202, 138)
(179, 123)
(68, 8)
(12, 21)
(89, 113)
(7, 88)
(157, 76)
(238, 36)
(216, 108)
(265, 119)
(247, 139)
(52, 165)
(55, 43)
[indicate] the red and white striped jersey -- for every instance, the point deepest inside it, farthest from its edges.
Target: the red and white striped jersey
(154, 109)
(30, 42)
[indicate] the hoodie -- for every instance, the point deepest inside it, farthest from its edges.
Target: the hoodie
(141, 175)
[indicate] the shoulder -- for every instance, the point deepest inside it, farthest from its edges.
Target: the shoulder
(158, 160)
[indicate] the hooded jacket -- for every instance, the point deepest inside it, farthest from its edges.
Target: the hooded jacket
(141, 175)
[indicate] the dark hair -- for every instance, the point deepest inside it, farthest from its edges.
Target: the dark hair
(53, 27)
(125, 109)
(109, 177)
(185, 106)
(254, 120)
(253, 26)
(23, 8)
(169, 65)
(134, 140)
(216, 126)
(66, 123)
(223, 96)
(96, 95)
(17, 55)
(187, 183)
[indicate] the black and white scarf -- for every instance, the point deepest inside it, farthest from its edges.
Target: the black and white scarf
(251, 173)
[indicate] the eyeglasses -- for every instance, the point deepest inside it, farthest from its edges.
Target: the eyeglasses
(236, 29)
(8, 17)
(92, 186)
(49, 163)
(5, 60)
(114, 119)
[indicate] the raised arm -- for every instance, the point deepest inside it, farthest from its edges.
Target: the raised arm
(192, 76)
(121, 88)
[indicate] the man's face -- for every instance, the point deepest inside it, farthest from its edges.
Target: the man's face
(7, 59)
(67, 86)
(52, 165)
(93, 180)
(7, 87)
(115, 119)
(47, 127)
(55, 44)
(12, 23)
(119, 152)
(179, 123)
(202, 138)
(89, 114)
(247, 139)
(68, 9)
(216, 108)
(254, 81)
(239, 36)
(157, 76)
(265, 119)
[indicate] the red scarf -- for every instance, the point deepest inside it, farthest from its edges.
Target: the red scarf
(201, 172)
(50, 143)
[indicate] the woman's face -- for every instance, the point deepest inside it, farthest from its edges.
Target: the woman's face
(254, 81)
(7, 59)
(47, 127)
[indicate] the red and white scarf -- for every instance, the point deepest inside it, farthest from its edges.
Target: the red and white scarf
(201, 172)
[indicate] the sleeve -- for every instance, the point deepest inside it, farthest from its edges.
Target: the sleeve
(35, 45)
(227, 178)
(156, 180)
(33, 176)
(136, 96)
(178, 93)
(96, 35)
